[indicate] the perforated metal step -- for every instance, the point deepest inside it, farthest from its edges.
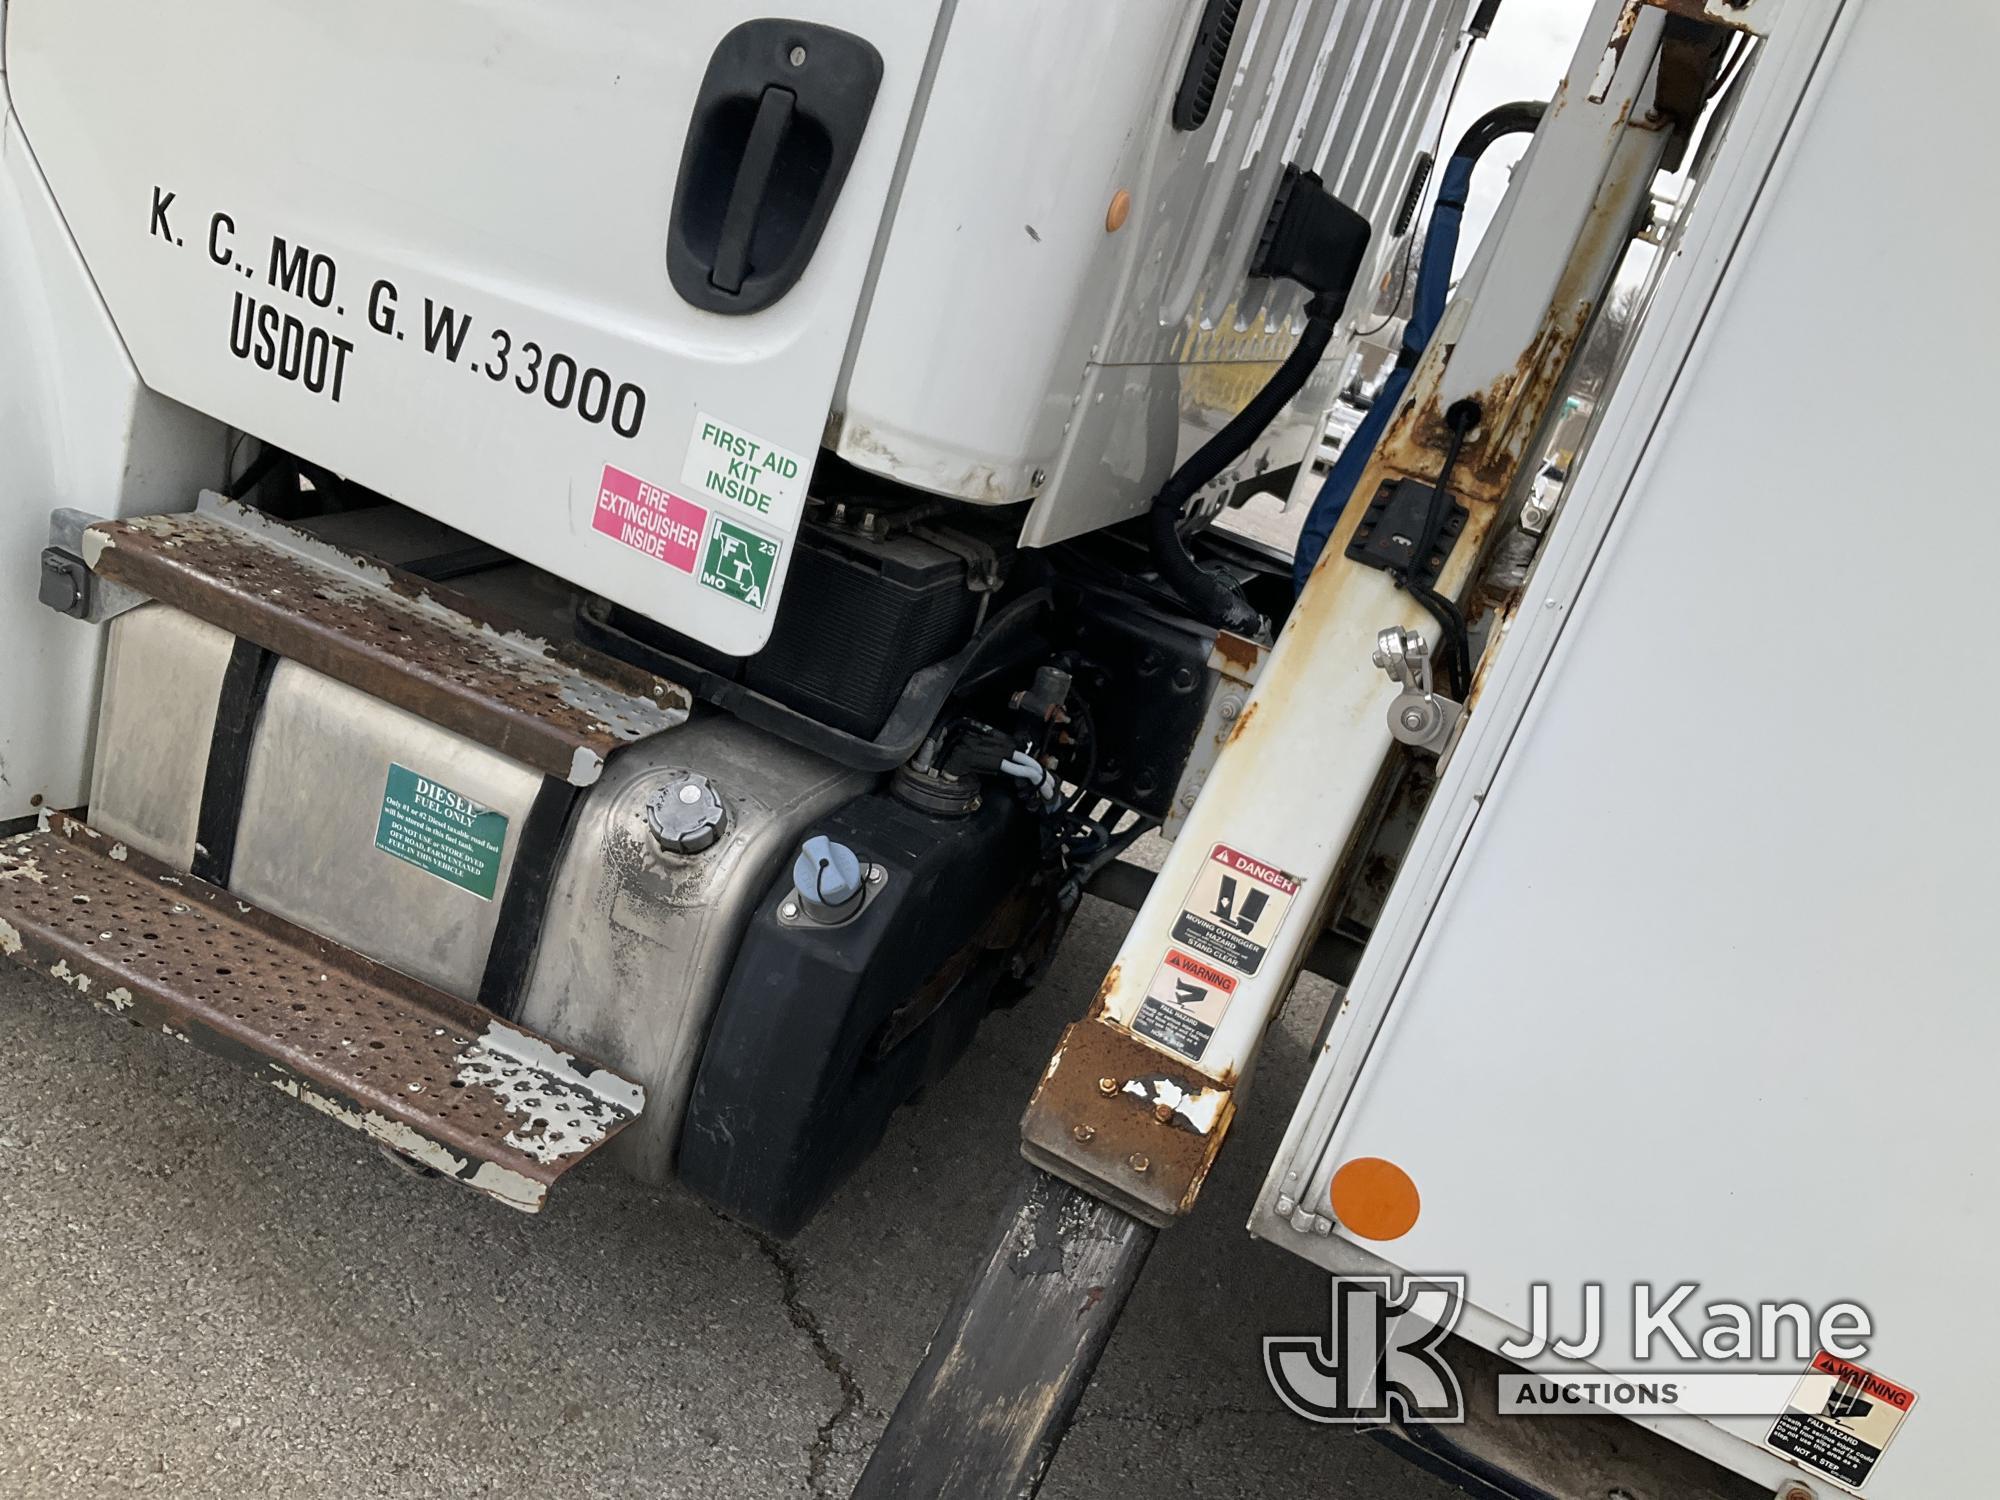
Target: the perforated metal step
(554, 706)
(444, 1083)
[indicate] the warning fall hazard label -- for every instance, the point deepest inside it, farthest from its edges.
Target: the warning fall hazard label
(1839, 1419)
(1234, 909)
(1184, 1003)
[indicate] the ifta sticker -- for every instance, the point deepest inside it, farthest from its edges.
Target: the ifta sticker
(1234, 909)
(1185, 1003)
(1839, 1419)
(739, 563)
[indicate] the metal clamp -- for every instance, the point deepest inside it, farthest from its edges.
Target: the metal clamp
(1420, 717)
(67, 584)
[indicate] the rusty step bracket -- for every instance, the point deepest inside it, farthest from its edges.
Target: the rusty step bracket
(439, 1081)
(1124, 1120)
(558, 708)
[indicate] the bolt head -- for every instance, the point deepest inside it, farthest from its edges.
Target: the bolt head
(1107, 1086)
(1413, 718)
(797, 57)
(1084, 1132)
(1164, 1113)
(1137, 1162)
(789, 910)
(1229, 708)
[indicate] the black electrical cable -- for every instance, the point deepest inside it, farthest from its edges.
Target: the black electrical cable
(1739, 49)
(1213, 597)
(1408, 256)
(1461, 417)
(254, 473)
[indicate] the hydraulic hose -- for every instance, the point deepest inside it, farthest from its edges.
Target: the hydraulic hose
(1433, 290)
(1211, 596)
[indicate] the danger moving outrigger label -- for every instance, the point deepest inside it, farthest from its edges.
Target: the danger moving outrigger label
(1184, 1004)
(1839, 1420)
(1234, 909)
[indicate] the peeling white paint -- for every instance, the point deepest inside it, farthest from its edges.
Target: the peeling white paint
(508, 1187)
(179, 1036)
(13, 867)
(564, 1112)
(119, 852)
(585, 766)
(78, 982)
(535, 1052)
(120, 998)
(1200, 1109)
(10, 940)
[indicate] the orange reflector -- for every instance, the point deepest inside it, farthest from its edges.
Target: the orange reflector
(1120, 210)
(1375, 1199)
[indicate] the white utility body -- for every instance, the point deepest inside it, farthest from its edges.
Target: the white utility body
(1689, 975)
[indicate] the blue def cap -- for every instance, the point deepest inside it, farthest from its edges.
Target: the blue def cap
(828, 879)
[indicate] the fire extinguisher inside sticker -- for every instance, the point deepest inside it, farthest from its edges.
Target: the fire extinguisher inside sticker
(649, 519)
(439, 831)
(1185, 1003)
(1839, 1420)
(1234, 909)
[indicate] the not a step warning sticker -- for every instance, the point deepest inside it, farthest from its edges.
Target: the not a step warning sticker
(1185, 1003)
(1839, 1419)
(1235, 907)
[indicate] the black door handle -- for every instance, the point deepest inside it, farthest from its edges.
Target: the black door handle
(776, 126)
(753, 182)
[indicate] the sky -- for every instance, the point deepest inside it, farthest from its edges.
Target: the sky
(1523, 59)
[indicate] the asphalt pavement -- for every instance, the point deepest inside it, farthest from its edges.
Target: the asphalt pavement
(207, 1291)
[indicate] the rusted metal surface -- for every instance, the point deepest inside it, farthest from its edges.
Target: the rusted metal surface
(1127, 1120)
(558, 709)
(1234, 651)
(1233, 665)
(1717, 17)
(1737, 15)
(432, 1078)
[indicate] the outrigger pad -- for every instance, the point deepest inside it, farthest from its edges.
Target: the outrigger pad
(440, 1081)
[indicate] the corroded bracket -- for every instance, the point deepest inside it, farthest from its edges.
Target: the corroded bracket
(1126, 1121)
